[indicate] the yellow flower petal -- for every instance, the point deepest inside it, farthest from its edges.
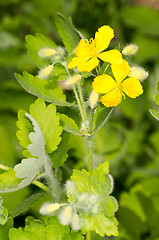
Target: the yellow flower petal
(103, 37)
(112, 98)
(89, 65)
(83, 49)
(77, 61)
(112, 56)
(132, 87)
(120, 71)
(104, 83)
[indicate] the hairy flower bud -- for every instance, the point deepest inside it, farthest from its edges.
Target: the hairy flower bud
(66, 215)
(48, 208)
(46, 52)
(72, 80)
(45, 72)
(93, 99)
(130, 49)
(70, 187)
(138, 73)
(75, 222)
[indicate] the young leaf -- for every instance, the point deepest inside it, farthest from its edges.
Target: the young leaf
(27, 169)
(60, 155)
(69, 124)
(42, 88)
(59, 71)
(35, 44)
(92, 202)
(100, 224)
(68, 32)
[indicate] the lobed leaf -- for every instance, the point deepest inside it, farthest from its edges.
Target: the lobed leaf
(51, 230)
(43, 89)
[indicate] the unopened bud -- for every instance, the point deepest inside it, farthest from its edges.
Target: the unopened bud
(138, 72)
(66, 216)
(45, 72)
(130, 49)
(47, 52)
(72, 80)
(75, 222)
(93, 99)
(48, 208)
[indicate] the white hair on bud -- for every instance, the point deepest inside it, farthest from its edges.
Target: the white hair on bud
(48, 208)
(70, 187)
(76, 222)
(45, 72)
(66, 215)
(130, 49)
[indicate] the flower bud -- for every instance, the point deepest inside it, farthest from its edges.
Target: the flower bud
(66, 216)
(72, 80)
(93, 99)
(130, 49)
(139, 73)
(45, 72)
(48, 208)
(47, 52)
(75, 222)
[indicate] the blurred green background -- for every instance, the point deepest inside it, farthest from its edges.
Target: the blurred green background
(130, 140)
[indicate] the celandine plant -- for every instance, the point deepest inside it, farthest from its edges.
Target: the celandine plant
(84, 203)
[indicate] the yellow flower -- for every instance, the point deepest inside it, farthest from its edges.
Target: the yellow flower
(89, 52)
(115, 89)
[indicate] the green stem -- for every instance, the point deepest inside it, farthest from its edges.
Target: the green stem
(4, 167)
(88, 236)
(89, 149)
(82, 99)
(79, 105)
(41, 185)
(53, 184)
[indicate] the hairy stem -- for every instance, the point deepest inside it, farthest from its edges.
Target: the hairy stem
(79, 105)
(53, 184)
(82, 99)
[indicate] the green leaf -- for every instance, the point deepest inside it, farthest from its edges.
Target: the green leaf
(100, 224)
(52, 230)
(69, 124)
(4, 229)
(35, 44)
(27, 204)
(42, 88)
(68, 33)
(48, 122)
(8, 181)
(60, 155)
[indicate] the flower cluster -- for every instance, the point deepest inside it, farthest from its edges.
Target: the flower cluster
(126, 79)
